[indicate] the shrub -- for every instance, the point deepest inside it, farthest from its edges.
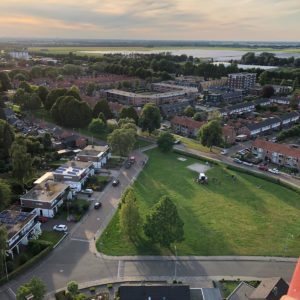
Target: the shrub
(34, 247)
(60, 295)
(92, 289)
(10, 266)
(23, 258)
(109, 286)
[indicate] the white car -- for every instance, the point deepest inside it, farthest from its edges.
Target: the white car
(247, 164)
(60, 227)
(87, 191)
(224, 151)
(238, 161)
(274, 171)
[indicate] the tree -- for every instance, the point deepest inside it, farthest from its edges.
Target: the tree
(295, 101)
(5, 82)
(97, 126)
(33, 103)
(267, 91)
(199, 116)
(122, 141)
(295, 83)
(71, 112)
(130, 218)
(53, 96)
(5, 195)
(21, 161)
(35, 287)
(46, 141)
(43, 93)
(263, 78)
(25, 86)
(72, 288)
(6, 139)
(210, 134)
(102, 106)
(163, 225)
(74, 92)
(21, 97)
(189, 111)
(102, 117)
(165, 141)
(150, 118)
(3, 247)
(129, 112)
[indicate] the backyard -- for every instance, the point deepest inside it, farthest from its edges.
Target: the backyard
(244, 216)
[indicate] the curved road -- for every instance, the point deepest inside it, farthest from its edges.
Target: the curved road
(77, 259)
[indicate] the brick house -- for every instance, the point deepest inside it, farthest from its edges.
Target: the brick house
(229, 134)
(279, 154)
(186, 126)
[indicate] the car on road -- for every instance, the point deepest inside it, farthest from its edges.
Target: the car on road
(263, 168)
(60, 227)
(115, 182)
(224, 152)
(132, 159)
(247, 164)
(177, 142)
(87, 191)
(42, 219)
(238, 161)
(97, 205)
(274, 171)
(128, 165)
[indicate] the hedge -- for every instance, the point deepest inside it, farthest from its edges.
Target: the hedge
(241, 170)
(27, 265)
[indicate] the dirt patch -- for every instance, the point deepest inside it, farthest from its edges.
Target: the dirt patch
(200, 168)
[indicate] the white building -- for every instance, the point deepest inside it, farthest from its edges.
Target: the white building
(20, 55)
(74, 174)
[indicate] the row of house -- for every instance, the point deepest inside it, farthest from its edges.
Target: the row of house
(266, 126)
(280, 154)
(248, 107)
(185, 126)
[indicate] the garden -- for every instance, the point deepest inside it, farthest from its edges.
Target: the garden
(224, 217)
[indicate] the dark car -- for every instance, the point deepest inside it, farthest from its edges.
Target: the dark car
(115, 182)
(97, 205)
(128, 165)
(42, 219)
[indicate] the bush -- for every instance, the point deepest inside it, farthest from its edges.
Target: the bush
(60, 295)
(10, 266)
(92, 289)
(23, 258)
(109, 286)
(34, 247)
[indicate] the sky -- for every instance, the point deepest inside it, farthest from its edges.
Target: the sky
(254, 20)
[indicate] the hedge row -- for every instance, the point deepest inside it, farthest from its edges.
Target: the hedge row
(241, 170)
(27, 265)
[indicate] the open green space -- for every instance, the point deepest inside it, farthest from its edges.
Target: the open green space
(141, 144)
(78, 50)
(51, 236)
(246, 216)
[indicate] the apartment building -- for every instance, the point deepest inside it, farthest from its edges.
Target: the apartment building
(185, 126)
(244, 81)
(280, 154)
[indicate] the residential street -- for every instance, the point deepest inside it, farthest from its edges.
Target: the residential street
(76, 257)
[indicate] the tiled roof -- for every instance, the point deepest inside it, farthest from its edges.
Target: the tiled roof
(264, 123)
(278, 148)
(188, 122)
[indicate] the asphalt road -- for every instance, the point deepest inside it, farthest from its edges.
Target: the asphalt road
(76, 258)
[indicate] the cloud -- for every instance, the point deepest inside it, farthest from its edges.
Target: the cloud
(153, 19)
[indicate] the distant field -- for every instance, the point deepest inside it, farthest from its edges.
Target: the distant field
(66, 50)
(249, 216)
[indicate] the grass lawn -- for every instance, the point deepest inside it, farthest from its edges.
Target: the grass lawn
(51, 236)
(141, 144)
(194, 144)
(250, 216)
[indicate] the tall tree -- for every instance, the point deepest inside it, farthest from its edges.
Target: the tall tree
(33, 103)
(25, 86)
(6, 139)
(267, 91)
(150, 118)
(35, 286)
(210, 134)
(5, 82)
(163, 224)
(43, 93)
(97, 126)
(21, 161)
(102, 106)
(129, 112)
(5, 194)
(122, 141)
(189, 111)
(295, 101)
(53, 96)
(3, 248)
(165, 141)
(72, 288)
(130, 218)
(263, 78)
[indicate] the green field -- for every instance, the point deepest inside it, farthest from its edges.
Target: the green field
(250, 216)
(77, 50)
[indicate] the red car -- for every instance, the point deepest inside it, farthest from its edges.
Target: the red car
(263, 168)
(42, 219)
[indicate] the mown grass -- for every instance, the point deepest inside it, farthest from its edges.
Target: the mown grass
(249, 216)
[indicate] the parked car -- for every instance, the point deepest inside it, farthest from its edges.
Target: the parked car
(132, 159)
(274, 171)
(60, 227)
(115, 182)
(42, 219)
(236, 160)
(177, 142)
(87, 191)
(97, 205)
(224, 151)
(128, 165)
(247, 164)
(263, 168)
